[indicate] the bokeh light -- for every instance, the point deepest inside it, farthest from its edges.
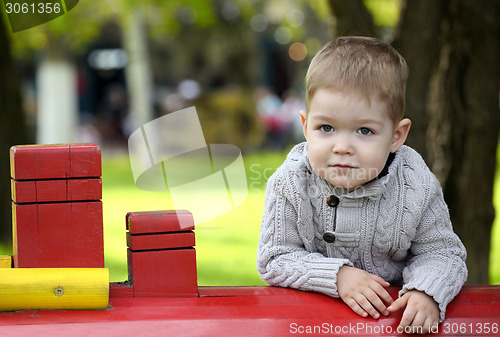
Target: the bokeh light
(283, 35)
(259, 23)
(295, 18)
(297, 51)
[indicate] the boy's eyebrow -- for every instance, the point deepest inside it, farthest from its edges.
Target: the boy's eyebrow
(320, 116)
(367, 120)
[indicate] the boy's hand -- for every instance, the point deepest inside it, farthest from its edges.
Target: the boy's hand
(363, 292)
(421, 310)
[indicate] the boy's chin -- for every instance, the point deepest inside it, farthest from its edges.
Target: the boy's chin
(348, 186)
(347, 183)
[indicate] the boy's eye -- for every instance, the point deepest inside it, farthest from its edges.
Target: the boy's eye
(365, 131)
(326, 128)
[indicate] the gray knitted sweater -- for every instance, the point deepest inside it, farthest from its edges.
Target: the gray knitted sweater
(396, 226)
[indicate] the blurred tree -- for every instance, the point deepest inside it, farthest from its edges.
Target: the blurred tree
(54, 45)
(12, 127)
(452, 99)
(138, 68)
(464, 123)
(413, 37)
(352, 18)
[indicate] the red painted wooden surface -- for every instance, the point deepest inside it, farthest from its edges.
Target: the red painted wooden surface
(164, 273)
(161, 257)
(247, 311)
(160, 241)
(58, 235)
(57, 215)
(29, 162)
(33, 191)
(159, 221)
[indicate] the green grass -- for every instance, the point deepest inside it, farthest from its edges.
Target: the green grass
(225, 247)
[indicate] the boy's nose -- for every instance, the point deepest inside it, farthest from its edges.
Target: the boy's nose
(342, 145)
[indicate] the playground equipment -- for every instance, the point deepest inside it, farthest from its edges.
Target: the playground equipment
(58, 263)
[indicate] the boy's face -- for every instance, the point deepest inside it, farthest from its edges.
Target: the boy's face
(348, 139)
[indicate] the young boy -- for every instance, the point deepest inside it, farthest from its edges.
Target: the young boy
(352, 209)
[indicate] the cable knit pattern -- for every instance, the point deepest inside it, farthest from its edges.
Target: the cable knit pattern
(396, 226)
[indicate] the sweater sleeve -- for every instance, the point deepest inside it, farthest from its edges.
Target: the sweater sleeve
(285, 257)
(437, 266)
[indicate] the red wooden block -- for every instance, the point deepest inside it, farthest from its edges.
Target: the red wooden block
(160, 241)
(121, 290)
(22, 191)
(159, 221)
(31, 191)
(85, 160)
(163, 273)
(27, 233)
(58, 235)
(39, 161)
(84, 189)
(30, 162)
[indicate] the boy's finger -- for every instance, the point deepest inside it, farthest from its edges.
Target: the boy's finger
(356, 307)
(380, 280)
(418, 320)
(375, 300)
(382, 293)
(365, 304)
(430, 325)
(407, 319)
(426, 326)
(398, 304)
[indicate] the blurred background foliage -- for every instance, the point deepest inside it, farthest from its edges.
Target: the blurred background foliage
(229, 48)
(107, 67)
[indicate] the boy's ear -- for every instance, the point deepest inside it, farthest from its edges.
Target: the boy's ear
(400, 134)
(303, 118)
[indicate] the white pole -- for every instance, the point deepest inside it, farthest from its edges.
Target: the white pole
(138, 69)
(57, 113)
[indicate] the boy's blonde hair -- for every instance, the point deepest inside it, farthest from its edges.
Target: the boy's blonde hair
(360, 65)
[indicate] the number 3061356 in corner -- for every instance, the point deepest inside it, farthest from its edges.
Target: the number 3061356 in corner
(33, 8)
(24, 14)
(476, 329)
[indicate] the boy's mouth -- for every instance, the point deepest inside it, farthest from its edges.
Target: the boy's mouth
(342, 169)
(342, 166)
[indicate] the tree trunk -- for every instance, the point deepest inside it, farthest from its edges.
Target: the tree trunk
(138, 69)
(418, 42)
(12, 128)
(470, 77)
(351, 18)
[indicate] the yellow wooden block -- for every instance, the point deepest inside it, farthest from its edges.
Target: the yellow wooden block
(5, 261)
(54, 288)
